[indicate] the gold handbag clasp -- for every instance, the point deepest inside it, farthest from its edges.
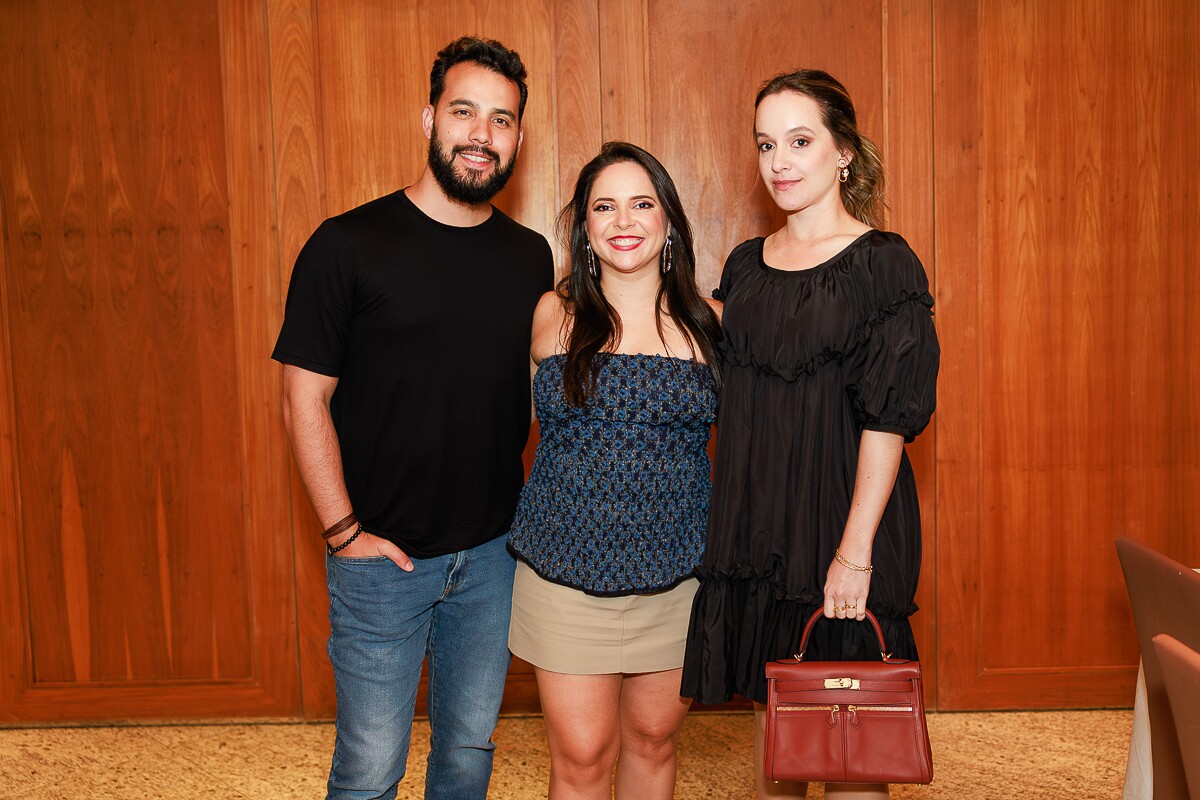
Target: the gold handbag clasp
(841, 683)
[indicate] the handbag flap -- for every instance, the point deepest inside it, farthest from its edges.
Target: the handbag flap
(892, 670)
(845, 683)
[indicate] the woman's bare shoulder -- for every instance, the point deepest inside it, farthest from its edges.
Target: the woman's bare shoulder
(549, 326)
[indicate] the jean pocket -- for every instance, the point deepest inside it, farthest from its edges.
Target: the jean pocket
(336, 558)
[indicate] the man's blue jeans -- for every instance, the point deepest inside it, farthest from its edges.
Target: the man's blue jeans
(453, 608)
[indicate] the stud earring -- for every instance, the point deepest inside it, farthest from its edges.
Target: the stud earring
(591, 261)
(843, 170)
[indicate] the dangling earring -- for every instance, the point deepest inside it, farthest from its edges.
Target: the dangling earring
(591, 261)
(667, 256)
(843, 170)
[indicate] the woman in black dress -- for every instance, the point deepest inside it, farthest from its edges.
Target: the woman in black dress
(830, 367)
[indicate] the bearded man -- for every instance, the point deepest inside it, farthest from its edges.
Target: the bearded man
(405, 352)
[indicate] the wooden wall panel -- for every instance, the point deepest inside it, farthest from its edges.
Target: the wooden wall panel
(1062, 211)
(134, 452)
(956, 186)
(14, 653)
(254, 250)
(906, 142)
(624, 45)
(577, 87)
(161, 167)
(300, 195)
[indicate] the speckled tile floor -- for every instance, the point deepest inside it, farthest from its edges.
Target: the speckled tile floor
(1072, 755)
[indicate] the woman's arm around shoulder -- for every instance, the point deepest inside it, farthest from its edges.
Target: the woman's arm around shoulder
(716, 305)
(549, 329)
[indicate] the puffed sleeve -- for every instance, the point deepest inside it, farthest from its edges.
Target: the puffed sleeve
(728, 273)
(316, 317)
(896, 390)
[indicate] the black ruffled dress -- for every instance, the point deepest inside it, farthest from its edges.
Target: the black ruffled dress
(812, 358)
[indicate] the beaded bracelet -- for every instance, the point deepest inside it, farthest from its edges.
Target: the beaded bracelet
(343, 524)
(848, 564)
(346, 543)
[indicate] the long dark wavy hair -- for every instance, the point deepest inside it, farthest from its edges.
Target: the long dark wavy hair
(595, 326)
(862, 193)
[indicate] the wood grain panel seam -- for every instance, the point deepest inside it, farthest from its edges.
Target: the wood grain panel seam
(644, 106)
(600, 59)
(959, 611)
(270, 571)
(935, 429)
(272, 137)
(555, 32)
(884, 78)
(14, 642)
(273, 87)
(911, 22)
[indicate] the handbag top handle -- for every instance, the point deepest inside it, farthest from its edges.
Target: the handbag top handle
(812, 622)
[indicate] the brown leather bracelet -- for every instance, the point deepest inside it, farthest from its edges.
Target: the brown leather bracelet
(344, 524)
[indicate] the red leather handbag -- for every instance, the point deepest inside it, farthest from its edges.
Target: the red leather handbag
(846, 721)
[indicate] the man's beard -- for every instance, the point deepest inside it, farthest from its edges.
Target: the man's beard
(471, 190)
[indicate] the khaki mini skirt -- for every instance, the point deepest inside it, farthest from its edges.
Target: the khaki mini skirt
(561, 629)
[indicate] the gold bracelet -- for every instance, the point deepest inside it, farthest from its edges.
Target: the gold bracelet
(848, 564)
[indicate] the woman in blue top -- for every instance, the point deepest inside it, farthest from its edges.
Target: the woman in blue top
(611, 523)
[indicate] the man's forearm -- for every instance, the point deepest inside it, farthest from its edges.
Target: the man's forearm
(318, 457)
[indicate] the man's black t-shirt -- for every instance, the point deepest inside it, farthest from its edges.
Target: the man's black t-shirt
(427, 327)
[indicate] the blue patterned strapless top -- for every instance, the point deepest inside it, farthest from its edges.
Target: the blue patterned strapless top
(617, 501)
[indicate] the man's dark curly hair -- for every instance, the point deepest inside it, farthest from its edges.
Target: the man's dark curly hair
(487, 53)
